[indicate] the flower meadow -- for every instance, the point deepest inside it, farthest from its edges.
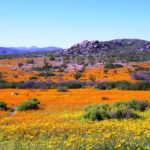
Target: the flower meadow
(30, 130)
(59, 123)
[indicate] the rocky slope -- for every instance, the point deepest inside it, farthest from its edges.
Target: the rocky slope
(94, 47)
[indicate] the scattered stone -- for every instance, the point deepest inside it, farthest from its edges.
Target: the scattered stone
(13, 94)
(105, 98)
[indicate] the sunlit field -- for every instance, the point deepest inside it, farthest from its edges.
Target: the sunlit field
(59, 123)
(62, 121)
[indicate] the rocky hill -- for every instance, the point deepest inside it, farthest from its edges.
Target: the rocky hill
(95, 47)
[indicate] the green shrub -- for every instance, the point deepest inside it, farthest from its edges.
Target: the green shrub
(118, 110)
(77, 75)
(119, 105)
(112, 66)
(140, 86)
(97, 112)
(71, 84)
(3, 106)
(2, 81)
(123, 85)
(62, 89)
(46, 74)
(105, 85)
(138, 105)
(29, 104)
(122, 113)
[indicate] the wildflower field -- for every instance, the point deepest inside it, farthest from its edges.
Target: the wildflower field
(59, 123)
(58, 118)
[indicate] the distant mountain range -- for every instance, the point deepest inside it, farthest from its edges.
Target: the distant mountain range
(22, 50)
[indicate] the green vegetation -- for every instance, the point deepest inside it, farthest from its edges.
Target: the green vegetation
(97, 112)
(33, 78)
(77, 75)
(118, 110)
(122, 113)
(112, 66)
(71, 84)
(91, 59)
(2, 81)
(29, 104)
(46, 74)
(138, 105)
(3, 106)
(102, 112)
(74, 84)
(123, 85)
(62, 89)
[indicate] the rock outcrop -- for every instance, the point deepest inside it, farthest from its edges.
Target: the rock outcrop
(87, 47)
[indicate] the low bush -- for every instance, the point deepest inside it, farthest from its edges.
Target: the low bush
(4, 85)
(122, 113)
(140, 86)
(105, 85)
(28, 105)
(123, 85)
(71, 84)
(42, 84)
(46, 74)
(118, 110)
(140, 76)
(138, 105)
(34, 85)
(77, 75)
(112, 66)
(76, 85)
(112, 85)
(2, 81)
(3, 106)
(62, 89)
(31, 84)
(44, 68)
(119, 105)
(97, 112)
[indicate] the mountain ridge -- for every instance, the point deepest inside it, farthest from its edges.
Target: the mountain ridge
(22, 50)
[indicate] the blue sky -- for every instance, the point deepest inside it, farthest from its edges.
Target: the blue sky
(66, 22)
